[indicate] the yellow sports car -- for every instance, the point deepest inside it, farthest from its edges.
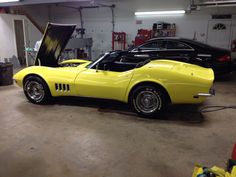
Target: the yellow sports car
(149, 86)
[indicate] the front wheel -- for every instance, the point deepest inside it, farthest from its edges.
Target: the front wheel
(148, 100)
(36, 90)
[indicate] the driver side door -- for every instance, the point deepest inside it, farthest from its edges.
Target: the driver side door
(100, 83)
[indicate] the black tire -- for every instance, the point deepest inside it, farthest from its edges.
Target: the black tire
(148, 101)
(36, 90)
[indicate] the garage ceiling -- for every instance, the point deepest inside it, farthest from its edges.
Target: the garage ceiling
(217, 2)
(29, 2)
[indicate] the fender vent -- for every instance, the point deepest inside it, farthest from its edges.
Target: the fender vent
(62, 87)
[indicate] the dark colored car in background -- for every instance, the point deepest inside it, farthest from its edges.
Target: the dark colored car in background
(187, 50)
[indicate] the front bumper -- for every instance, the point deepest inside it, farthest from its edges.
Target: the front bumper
(211, 93)
(18, 82)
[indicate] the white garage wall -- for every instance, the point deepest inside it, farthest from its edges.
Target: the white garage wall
(7, 44)
(7, 37)
(97, 22)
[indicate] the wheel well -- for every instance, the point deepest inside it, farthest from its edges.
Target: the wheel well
(152, 84)
(35, 75)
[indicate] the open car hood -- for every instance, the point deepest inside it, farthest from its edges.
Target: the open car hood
(55, 39)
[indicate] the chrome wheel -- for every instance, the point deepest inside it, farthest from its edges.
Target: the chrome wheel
(35, 91)
(148, 101)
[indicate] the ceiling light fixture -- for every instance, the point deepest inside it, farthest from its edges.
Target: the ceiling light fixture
(170, 12)
(5, 1)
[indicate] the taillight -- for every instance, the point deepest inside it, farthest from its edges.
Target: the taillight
(224, 58)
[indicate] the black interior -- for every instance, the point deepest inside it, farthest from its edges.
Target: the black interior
(122, 63)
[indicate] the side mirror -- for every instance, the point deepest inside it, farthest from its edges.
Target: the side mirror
(97, 67)
(105, 67)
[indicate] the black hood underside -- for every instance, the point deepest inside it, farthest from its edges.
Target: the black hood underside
(55, 39)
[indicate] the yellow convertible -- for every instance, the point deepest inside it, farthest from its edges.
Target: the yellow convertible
(149, 86)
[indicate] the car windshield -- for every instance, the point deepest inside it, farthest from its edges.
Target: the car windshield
(104, 58)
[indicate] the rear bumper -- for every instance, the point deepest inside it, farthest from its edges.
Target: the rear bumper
(223, 68)
(211, 93)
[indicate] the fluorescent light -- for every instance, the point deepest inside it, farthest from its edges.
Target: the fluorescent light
(4, 1)
(170, 12)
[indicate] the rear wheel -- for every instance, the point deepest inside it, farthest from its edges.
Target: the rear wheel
(36, 90)
(148, 100)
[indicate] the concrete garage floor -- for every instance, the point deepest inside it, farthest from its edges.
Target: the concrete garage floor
(77, 137)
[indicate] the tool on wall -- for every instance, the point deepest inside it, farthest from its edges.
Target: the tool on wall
(142, 36)
(163, 29)
(118, 40)
(160, 29)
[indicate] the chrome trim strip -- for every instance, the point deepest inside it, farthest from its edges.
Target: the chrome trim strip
(161, 50)
(204, 55)
(142, 55)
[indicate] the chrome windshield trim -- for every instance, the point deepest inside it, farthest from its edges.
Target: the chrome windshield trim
(97, 61)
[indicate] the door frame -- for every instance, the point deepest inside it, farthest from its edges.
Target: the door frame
(230, 32)
(24, 33)
(26, 39)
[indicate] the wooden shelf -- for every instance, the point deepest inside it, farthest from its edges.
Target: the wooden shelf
(164, 33)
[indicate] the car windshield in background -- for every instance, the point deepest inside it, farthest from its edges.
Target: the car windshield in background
(200, 44)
